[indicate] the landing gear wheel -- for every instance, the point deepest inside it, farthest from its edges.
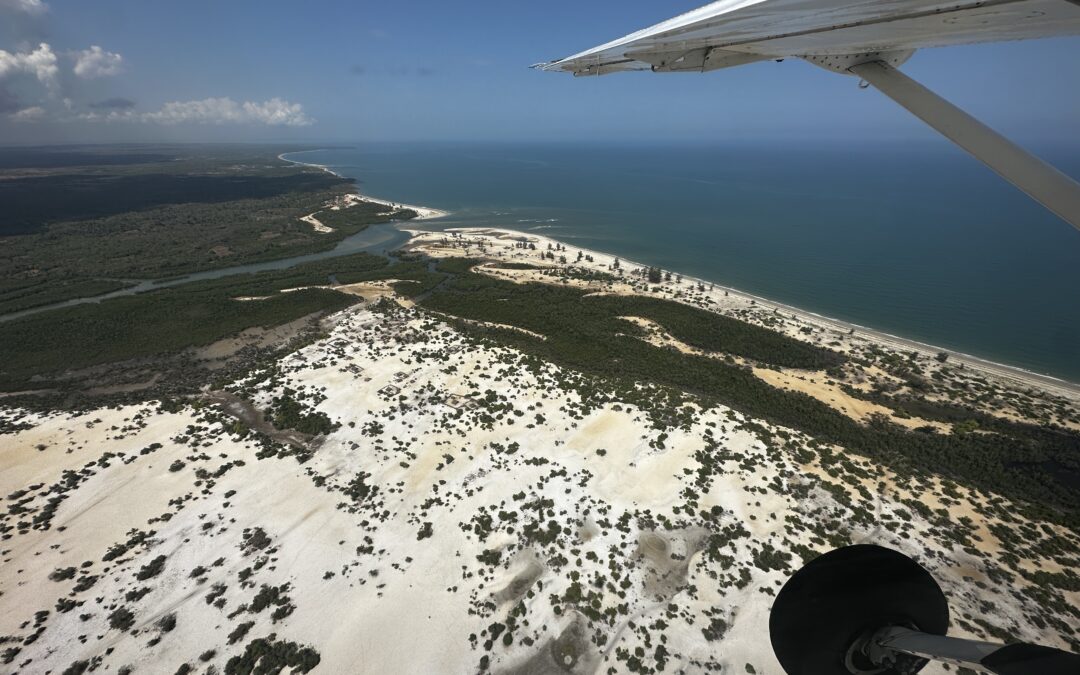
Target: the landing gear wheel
(839, 599)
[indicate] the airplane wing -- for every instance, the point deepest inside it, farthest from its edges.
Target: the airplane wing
(733, 32)
(866, 38)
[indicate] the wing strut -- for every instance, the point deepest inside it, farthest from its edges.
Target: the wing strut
(1042, 182)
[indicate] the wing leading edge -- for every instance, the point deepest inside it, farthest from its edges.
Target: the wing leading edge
(868, 38)
(734, 32)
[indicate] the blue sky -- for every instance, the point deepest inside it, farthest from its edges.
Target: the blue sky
(326, 70)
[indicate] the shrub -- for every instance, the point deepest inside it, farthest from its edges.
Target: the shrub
(62, 574)
(151, 569)
(270, 656)
(122, 619)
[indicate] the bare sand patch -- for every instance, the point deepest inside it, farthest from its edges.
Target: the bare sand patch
(446, 453)
(816, 385)
(316, 224)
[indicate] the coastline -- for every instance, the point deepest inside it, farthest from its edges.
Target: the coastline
(1013, 374)
(422, 212)
(418, 480)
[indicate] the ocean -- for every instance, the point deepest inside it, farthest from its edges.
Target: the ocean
(913, 239)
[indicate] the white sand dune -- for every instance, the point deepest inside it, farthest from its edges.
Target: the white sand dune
(466, 495)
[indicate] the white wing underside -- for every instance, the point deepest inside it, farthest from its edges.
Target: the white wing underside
(733, 32)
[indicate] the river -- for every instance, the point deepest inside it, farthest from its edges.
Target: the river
(374, 239)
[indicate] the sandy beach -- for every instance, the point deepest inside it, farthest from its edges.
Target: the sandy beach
(602, 261)
(258, 416)
(422, 212)
(1013, 374)
(469, 510)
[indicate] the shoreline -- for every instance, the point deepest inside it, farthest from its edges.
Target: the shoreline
(1011, 372)
(1015, 374)
(422, 212)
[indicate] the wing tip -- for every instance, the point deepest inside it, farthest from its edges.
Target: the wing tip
(547, 66)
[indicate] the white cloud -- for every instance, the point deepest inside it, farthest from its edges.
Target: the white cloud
(32, 7)
(96, 62)
(275, 112)
(41, 63)
(32, 114)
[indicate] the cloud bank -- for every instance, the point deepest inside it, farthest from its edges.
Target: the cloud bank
(41, 63)
(39, 85)
(274, 112)
(96, 62)
(31, 114)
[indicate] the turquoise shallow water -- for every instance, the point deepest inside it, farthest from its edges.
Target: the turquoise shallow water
(916, 240)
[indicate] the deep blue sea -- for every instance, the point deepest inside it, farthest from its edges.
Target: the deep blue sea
(917, 240)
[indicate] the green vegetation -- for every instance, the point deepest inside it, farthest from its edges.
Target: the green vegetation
(584, 333)
(359, 489)
(360, 215)
(480, 297)
(25, 292)
(85, 229)
(62, 574)
(239, 632)
(141, 325)
(151, 569)
(510, 265)
(269, 656)
(189, 315)
(33, 202)
(289, 413)
(121, 619)
(273, 596)
(715, 630)
(712, 332)
(53, 157)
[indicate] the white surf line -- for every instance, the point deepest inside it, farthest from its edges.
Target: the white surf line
(325, 168)
(1016, 373)
(422, 212)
